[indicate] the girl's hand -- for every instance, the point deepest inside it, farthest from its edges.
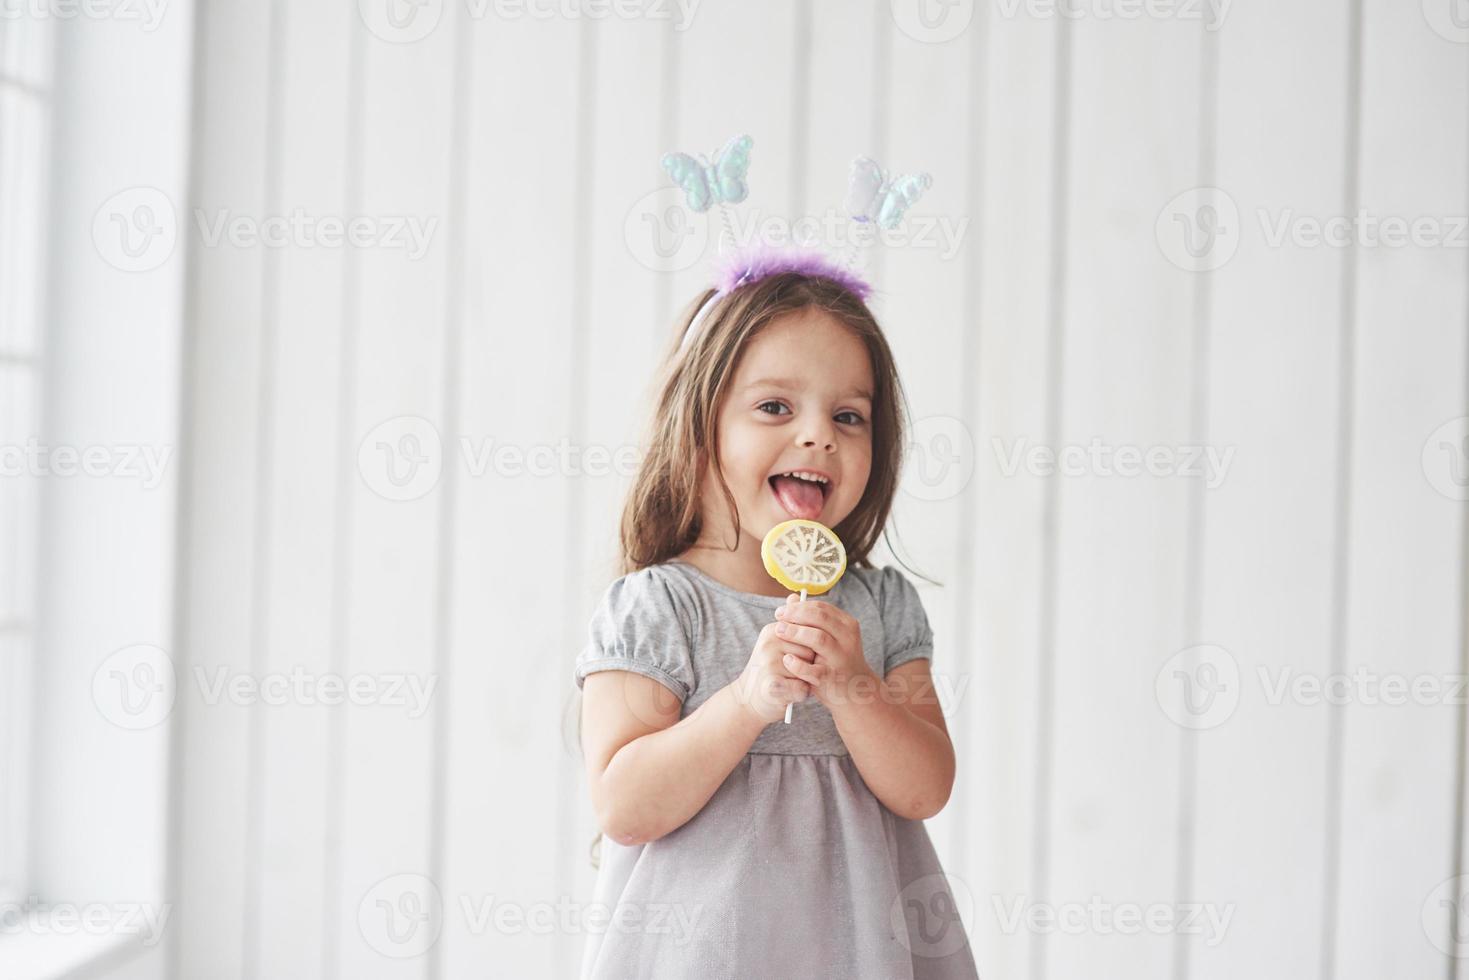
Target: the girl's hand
(830, 657)
(766, 686)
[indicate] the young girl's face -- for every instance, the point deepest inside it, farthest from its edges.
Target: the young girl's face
(800, 399)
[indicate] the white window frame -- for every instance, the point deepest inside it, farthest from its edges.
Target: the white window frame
(95, 796)
(26, 56)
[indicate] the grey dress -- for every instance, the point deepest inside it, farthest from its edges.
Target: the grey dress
(793, 868)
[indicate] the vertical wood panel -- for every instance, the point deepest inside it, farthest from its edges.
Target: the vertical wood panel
(1119, 602)
(922, 300)
(387, 820)
(633, 223)
(513, 609)
(997, 716)
(225, 318)
(306, 310)
(1404, 590)
(1274, 322)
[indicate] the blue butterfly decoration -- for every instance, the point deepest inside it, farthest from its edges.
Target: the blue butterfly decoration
(874, 195)
(721, 181)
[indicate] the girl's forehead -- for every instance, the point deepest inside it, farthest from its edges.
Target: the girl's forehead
(809, 344)
(807, 320)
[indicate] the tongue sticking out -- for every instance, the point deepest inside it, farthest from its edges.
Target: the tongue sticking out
(800, 498)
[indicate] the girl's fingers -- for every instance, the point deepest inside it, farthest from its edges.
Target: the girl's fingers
(800, 668)
(821, 615)
(809, 637)
(802, 653)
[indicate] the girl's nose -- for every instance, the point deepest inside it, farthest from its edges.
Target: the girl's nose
(823, 439)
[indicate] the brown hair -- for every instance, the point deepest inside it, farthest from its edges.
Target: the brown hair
(660, 518)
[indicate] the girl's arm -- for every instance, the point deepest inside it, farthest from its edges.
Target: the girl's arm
(899, 741)
(649, 772)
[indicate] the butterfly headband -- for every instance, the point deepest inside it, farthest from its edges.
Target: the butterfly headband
(873, 195)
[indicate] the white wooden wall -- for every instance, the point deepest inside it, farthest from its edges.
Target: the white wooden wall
(1321, 830)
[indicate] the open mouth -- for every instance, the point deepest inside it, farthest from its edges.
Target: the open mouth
(801, 497)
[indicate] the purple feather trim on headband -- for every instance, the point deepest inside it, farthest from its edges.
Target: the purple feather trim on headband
(754, 263)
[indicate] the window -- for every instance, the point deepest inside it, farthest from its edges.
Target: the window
(25, 108)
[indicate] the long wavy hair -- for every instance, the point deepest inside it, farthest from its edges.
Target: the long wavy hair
(661, 514)
(660, 518)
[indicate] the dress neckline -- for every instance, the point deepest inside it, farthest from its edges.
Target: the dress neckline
(753, 598)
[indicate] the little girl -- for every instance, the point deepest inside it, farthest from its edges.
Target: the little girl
(736, 845)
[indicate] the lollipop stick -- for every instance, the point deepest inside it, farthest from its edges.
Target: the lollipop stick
(792, 705)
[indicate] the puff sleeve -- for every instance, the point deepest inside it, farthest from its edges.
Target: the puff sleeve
(907, 635)
(637, 627)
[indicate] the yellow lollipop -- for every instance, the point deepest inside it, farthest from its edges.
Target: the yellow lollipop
(806, 557)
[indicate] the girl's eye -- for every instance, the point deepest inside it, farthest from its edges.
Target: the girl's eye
(847, 417)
